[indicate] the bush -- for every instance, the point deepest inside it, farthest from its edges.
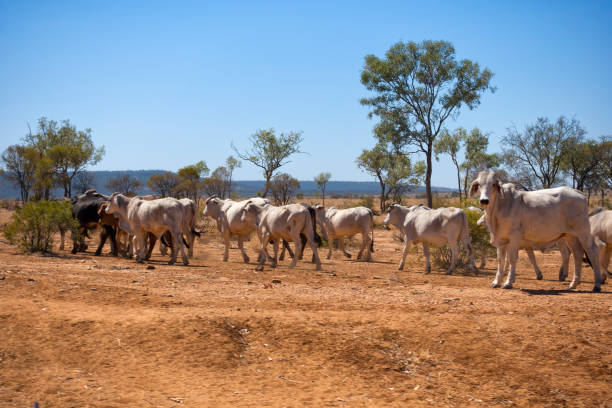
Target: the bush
(479, 236)
(32, 227)
(366, 201)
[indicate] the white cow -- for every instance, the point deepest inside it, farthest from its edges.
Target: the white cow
(516, 217)
(438, 227)
(139, 217)
(601, 228)
(340, 223)
(529, 247)
(275, 223)
(228, 214)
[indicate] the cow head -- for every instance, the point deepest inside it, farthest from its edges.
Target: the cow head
(489, 186)
(213, 207)
(249, 214)
(392, 214)
(115, 203)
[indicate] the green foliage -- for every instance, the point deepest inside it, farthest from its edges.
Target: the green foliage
(164, 184)
(536, 155)
(124, 184)
(394, 171)
(417, 86)
(321, 181)
(269, 152)
(366, 201)
(283, 187)
(32, 227)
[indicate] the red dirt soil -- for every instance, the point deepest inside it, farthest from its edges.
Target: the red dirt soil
(86, 331)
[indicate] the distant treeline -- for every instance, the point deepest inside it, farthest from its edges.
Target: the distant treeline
(243, 188)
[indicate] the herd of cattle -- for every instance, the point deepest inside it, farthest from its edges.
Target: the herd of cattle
(516, 219)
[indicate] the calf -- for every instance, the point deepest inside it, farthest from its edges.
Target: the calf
(438, 227)
(275, 223)
(139, 217)
(340, 223)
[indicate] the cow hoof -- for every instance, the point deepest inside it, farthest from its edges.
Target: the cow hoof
(495, 285)
(186, 262)
(259, 269)
(318, 268)
(561, 278)
(171, 262)
(246, 259)
(507, 286)
(449, 272)
(224, 259)
(348, 256)
(539, 277)
(596, 289)
(400, 268)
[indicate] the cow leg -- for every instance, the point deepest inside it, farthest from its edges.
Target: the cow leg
(275, 246)
(404, 253)
(330, 242)
(139, 246)
(501, 263)
(454, 248)
(368, 245)
(341, 245)
(604, 259)
(512, 256)
(152, 239)
(588, 243)
(289, 251)
(532, 259)
(303, 240)
(226, 241)
(263, 255)
(113, 237)
(313, 247)
(282, 254)
(163, 249)
(427, 258)
(178, 237)
(295, 235)
(245, 257)
(103, 235)
(565, 254)
(190, 240)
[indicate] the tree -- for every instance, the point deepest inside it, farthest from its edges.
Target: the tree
(164, 184)
(191, 180)
(19, 168)
(231, 163)
(582, 162)
(537, 154)
(218, 182)
(476, 157)
(269, 152)
(283, 187)
(418, 87)
(321, 181)
(83, 181)
(450, 143)
(68, 149)
(395, 173)
(124, 184)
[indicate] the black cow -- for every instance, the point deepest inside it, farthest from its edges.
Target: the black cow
(85, 210)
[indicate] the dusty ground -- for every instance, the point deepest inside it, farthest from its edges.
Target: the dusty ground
(85, 331)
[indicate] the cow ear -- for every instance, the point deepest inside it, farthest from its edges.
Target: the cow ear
(497, 185)
(474, 188)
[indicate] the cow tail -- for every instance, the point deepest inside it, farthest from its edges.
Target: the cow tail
(372, 220)
(184, 241)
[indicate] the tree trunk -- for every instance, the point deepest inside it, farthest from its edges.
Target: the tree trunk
(459, 183)
(428, 177)
(323, 192)
(382, 194)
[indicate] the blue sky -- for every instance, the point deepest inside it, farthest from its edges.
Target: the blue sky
(165, 84)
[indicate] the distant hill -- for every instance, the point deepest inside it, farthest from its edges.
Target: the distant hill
(244, 188)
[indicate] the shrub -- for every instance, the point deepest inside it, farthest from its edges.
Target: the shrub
(32, 227)
(366, 201)
(479, 236)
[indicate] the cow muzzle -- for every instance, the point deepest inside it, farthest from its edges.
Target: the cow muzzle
(484, 201)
